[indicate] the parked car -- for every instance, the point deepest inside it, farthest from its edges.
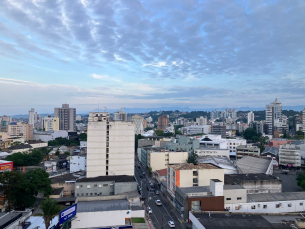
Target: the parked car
(149, 210)
(171, 224)
(141, 176)
(157, 192)
(143, 173)
(158, 202)
(143, 197)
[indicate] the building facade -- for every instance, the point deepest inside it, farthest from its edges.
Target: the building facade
(120, 115)
(274, 117)
(247, 150)
(78, 163)
(290, 155)
(163, 122)
(110, 146)
(31, 116)
(138, 124)
(67, 117)
(219, 130)
(250, 117)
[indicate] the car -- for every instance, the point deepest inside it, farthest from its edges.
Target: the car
(157, 192)
(143, 197)
(141, 176)
(158, 202)
(149, 210)
(152, 185)
(143, 173)
(138, 166)
(171, 224)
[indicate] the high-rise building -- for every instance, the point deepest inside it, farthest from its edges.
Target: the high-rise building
(250, 117)
(163, 122)
(31, 116)
(110, 146)
(274, 117)
(303, 118)
(219, 130)
(50, 123)
(67, 117)
(20, 129)
(120, 115)
(201, 121)
(138, 122)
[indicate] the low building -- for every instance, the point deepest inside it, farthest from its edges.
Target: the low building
(46, 136)
(290, 155)
(6, 166)
(248, 164)
(234, 194)
(189, 175)
(221, 162)
(105, 186)
(202, 129)
(98, 213)
(212, 152)
(57, 193)
(277, 142)
(13, 219)
(78, 163)
(161, 175)
(83, 144)
(271, 152)
(22, 148)
(183, 143)
(255, 183)
(66, 181)
(38, 144)
(247, 150)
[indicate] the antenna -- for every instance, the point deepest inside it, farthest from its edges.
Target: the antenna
(105, 108)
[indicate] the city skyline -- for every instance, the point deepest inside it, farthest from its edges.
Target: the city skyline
(150, 54)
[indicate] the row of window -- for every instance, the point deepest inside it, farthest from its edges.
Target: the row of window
(91, 194)
(264, 206)
(238, 198)
(95, 186)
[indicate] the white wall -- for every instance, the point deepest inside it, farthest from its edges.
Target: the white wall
(195, 222)
(212, 152)
(77, 163)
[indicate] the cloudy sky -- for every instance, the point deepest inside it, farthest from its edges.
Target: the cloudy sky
(150, 53)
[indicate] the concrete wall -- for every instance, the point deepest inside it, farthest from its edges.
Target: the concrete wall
(231, 196)
(177, 157)
(204, 177)
(262, 186)
(68, 187)
(156, 160)
(100, 188)
(123, 187)
(77, 163)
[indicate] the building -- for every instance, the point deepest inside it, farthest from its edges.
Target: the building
(248, 164)
(49, 135)
(255, 183)
(50, 123)
(183, 143)
(105, 186)
(274, 118)
(219, 130)
(159, 158)
(290, 155)
(250, 117)
(243, 150)
(303, 119)
(78, 163)
(212, 152)
(6, 166)
(66, 181)
(163, 122)
(138, 124)
(201, 121)
(189, 175)
(31, 116)
(220, 161)
(67, 117)
(20, 129)
(120, 115)
(277, 142)
(217, 142)
(37, 144)
(161, 175)
(202, 129)
(22, 148)
(271, 152)
(110, 146)
(13, 219)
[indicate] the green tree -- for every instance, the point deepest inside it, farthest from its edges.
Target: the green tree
(137, 137)
(301, 180)
(148, 128)
(57, 152)
(159, 132)
(82, 137)
(178, 132)
(50, 209)
(192, 158)
(11, 185)
(28, 159)
(250, 133)
(149, 170)
(67, 153)
(262, 142)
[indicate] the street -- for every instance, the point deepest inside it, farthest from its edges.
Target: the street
(160, 214)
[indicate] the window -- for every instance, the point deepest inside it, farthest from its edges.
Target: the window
(95, 185)
(195, 173)
(82, 194)
(289, 205)
(86, 194)
(88, 186)
(105, 185)
(81, 186)
(301, 204)
(265, 206)
(228, 198)
(277, 205)
(77, 186)
(238, 198)
(253, 207)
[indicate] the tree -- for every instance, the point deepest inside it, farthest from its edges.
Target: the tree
(250, 133)
(11, 185)
(82, 137)
(149, 170)
(159, 132)
(28, 159)
(148, 128)
(49, 209)
(178, 132)
(67, 153)
(301, 180)
(57, 152)
(137, 137)
(192, 158)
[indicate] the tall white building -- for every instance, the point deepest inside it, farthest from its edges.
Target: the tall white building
(250, 117)
(138, 122)
(274, 117)
(31, 116)
(110, 146)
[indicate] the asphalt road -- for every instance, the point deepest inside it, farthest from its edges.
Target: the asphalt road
(160, 214)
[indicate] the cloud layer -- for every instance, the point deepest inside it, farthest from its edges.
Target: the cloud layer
(234, 53)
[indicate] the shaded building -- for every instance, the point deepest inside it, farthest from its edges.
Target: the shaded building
(67, 117)
(163, 122)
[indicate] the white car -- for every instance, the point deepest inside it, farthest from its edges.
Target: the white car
(149, 210)
(158, 202)
(171, 224)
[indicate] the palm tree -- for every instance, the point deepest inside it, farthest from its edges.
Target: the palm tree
(49, 209)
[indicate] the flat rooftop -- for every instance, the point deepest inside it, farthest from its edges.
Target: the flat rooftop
(195, 189)
(102, 205)
(248, 164)
(232, 179)
(191, 166)
(236, 221)
(64, 178)
(121, 178)
(7, 217)
(232, 187)
(273, 197)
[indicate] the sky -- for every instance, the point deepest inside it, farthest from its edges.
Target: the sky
(150, 53)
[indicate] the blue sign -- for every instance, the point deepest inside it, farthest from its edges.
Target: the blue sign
(67, 214)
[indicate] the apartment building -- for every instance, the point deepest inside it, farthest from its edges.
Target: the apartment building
(219, 130)
(138, 124)
(202, 129)
(160, 158)
(50, 123)
(248, 150)
(250, 117)
(277, 142)
(290, 155)
(110, 146)
(163, 122)
(183, 143)
(20, 129)
(31, 120)
(201, 121)
(67, 117)
(189, 175)
(303, 119)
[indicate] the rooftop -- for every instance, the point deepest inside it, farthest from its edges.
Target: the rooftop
(57, 191)
(121, 178)
(162, 172)
(8, 218)
(271, 197)
(195, 189)
(233, 179)
(191, 166)
(232, 187)
(235, 221)
(102, 205)
(21, 146)
(273, 150)
(64, 178)
(248, 164)
(220, 161)
(279, 139)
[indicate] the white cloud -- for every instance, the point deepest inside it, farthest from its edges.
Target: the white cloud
(99, 77)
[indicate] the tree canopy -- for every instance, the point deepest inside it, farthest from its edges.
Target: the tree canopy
(301, 180)
(192, 158)
(251, 134)
(49, 209)
(28, 159)
(63, 141)
(82, 137)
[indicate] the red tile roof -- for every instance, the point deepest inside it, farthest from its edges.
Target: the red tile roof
(162, 172)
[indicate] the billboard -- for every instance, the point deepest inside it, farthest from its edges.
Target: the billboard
(6, 166)
(67, 214)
